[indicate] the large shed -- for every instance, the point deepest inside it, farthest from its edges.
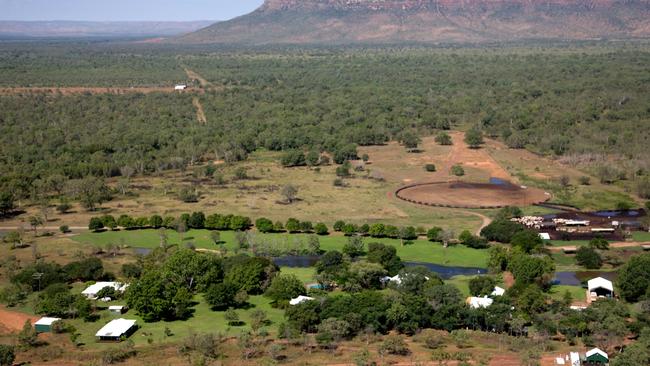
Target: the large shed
(600, 287)
(596, 357)
(44, 325)
(116, 329)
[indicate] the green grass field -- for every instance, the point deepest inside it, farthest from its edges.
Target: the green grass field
(203, 320)
(641, 236)
(419, 251)
(577, 292)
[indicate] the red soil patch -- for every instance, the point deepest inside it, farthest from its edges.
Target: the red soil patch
(13, 320)
(471, 195)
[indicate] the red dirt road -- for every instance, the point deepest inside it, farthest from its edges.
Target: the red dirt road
(13, 320)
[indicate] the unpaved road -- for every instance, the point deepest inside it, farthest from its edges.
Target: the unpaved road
(85, 90)
(618, 245)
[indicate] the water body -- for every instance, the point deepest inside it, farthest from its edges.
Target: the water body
(580, 278)
(306, 261)
(499, 181)
(142, 251)
(630, 213)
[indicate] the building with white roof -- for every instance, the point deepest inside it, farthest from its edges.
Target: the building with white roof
(117, 309)
(574, 357)
(300, 299)
(479, 302)
(545, 236)
(180, 87)
(498, 291)
(91, 291)
(600, 288)
(44, 325)
(116, 329)
(596, 356)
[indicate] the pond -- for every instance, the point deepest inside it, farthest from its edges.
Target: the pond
(613, 214)
(305, 261)
(142, 251)
(580, 278)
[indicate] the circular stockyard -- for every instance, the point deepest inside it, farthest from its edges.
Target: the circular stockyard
(471, 195)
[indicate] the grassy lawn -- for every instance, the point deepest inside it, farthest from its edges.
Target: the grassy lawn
(461, 282)
(306, 275)
(419, 251)
(568, 243)
(577, 292)
(641, 236)
(204, 320)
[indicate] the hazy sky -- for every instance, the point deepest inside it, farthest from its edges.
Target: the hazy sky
(125, 9)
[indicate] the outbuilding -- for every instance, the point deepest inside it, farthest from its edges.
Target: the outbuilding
(300, 299)
(116, 330)
(44, 325)
(180, 87)
(498, 291)
(596, 357)
(479, 302)
(117, 309)
(600, 288)
(91, 291)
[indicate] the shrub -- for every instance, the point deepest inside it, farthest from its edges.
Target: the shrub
(7, 355)
(444, 139)
(293, 158)
(434, 234)
(64, 229)
(321, 229)
(188, 195)
(338, 182)
(95, 224)
(338, 225)
(120, 354)
(584, 180)
(457, 170)
(481, 285)
(394, 345)
(599, 243)
(430, 168)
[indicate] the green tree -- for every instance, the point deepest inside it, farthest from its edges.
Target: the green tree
(633, 278)
(385, 255)
(528, 241)
(589, 258)
(474, 138)
(7, 204)
(232, 317)
(156, 221)
(7, 355)
(293, 225)
(457, 170)
(481, 285)
(354, 246)
(95, 224)
(221, 296)
(599, 243)
(285, 287)
(289, 193)
(321, 229)
(434, 233)
(264, 225)
(28, 337)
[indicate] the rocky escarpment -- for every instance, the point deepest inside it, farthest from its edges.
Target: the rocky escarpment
(387, 21)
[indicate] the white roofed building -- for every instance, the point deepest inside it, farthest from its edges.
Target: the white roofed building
(479, 302)
(498, 291)
(300, 299)
(180, 87)
(91, 291)
(116, 329)
(600, 288)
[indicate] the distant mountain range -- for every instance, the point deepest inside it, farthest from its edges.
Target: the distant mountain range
(80, 29)
(434, 21)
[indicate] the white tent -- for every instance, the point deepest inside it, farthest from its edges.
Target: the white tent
(545, 236)
(300, 299)
(498, 291)
(596, 351)
(91, 291)
(479, 302)
(600, 287)
(116, 329)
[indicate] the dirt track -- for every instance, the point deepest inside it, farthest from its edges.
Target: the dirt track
(13, 320)
(85, 90)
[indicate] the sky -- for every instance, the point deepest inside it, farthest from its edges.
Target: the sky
(125, 10)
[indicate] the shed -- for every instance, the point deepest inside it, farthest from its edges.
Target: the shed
(600, 287)
(479, 302)
(300, 299)
(91, 291)
(180, 87)
(574, 357)
(44, 325)
(498, 291)
(545, 236)
(116, 329)
(596, 357)
(117, 309)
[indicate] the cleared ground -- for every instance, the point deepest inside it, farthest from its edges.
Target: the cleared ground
(472, 195)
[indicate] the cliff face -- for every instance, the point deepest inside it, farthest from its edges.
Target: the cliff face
(377, 21)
